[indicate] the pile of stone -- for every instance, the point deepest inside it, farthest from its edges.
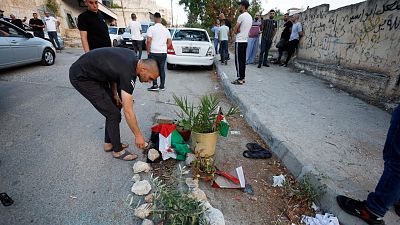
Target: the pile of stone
(212, 216)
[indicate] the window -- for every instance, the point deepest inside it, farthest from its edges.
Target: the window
(112, 30)
(12, 31)
(121, 31)
(190, 35)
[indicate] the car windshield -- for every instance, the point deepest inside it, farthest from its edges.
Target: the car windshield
(171, 31)
(112, 30)
(144, 28)
(190, 35)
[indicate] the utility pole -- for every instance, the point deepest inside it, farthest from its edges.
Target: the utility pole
(123, 13)
(172, 14)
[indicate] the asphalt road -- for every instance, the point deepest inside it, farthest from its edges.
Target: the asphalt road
(51, 158)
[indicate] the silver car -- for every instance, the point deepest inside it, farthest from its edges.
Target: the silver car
(18, 47)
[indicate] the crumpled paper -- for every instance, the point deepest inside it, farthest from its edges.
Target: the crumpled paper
(327, 219)
(278, 181)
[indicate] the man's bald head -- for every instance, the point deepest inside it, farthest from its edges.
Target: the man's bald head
(147, 70)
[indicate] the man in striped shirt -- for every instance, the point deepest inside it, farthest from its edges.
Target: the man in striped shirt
(268, 28)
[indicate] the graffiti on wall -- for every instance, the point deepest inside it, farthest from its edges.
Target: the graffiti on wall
(360, 36)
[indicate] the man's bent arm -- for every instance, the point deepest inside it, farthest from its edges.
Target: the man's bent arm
(130, 117)
(148, 45)
(85, 43)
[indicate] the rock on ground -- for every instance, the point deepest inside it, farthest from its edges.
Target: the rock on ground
(142, 211)
(190, 157)
(153, 154)
(141, 187)
(140, 166)
(149, 198)
(198, 194)
(192, 183)
(136, 178)
(214, 216)
(147, 222)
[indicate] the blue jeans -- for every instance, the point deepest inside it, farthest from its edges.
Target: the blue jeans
(387, 192)
(160, 59)
(265, 46)
(216, 45)
(53, 38)
(252, 48)
(224, 50)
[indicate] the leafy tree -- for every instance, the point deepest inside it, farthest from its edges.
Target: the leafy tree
(164, 22)
(255, 7)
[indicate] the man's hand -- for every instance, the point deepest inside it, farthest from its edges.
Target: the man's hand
(140, 143)
(118, 101)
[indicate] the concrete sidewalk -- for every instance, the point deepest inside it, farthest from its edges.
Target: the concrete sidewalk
(316, 128)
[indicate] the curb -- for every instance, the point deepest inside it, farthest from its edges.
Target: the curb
(291, 161)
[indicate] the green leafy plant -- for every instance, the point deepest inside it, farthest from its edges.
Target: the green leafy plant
(201, 118)
(174, 207)
(306, 189)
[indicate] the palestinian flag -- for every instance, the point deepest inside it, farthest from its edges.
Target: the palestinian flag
(222, 123)
(171, 143)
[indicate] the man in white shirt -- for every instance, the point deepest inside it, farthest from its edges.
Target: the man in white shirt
(158, 40)
(51, 26)
(137, 38)
(241, 30)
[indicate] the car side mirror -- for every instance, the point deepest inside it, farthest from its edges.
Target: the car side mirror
(28, 35)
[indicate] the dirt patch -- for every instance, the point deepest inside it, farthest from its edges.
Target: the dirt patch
(268, 205)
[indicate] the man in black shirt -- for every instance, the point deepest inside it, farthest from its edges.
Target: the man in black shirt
(16, 22)
(285, 36)
(97, 74)
(93, 28)
(37, 26)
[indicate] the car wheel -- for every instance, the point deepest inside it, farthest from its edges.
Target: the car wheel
(48, 57)
(115, 43)
(170, 66)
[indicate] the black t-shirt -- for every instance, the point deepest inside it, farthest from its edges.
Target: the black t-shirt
(286, 31)
(96, 27)
(108, 65)
(18, 23)
(36, 22)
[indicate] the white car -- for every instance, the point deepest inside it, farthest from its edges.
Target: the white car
(116, 35)
(190, 47)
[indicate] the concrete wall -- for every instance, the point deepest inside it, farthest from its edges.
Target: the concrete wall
(364, 36)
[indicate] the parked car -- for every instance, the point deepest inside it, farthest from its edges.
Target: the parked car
(190, 46)
(127, 37)
(46, 35)
(116, 35)
(18, 47)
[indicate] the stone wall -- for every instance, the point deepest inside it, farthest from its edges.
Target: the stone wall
(363, 37)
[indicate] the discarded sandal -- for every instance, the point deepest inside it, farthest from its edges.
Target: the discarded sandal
(255, 147)
(257, 154)
(124, 146)
(125, 154)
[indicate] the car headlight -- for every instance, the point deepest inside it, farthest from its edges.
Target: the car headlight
(210, 52)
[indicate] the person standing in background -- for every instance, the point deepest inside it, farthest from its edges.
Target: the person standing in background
(93, 28)
(223, 37)
(215, 29)
(16, 22)
(285, 36)
(229, 25)
(51, 26)
(136, 32)
(296, 34)
(37, 26)
(268, 28)
(241, 30)
(252, 46)
(158, 40)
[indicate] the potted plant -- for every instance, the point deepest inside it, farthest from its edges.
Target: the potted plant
(205, 120)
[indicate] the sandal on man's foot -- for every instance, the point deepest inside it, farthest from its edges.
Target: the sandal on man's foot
(124, 146)
(124, 156)
(255, 147)
(257, 154)
(237, 82)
